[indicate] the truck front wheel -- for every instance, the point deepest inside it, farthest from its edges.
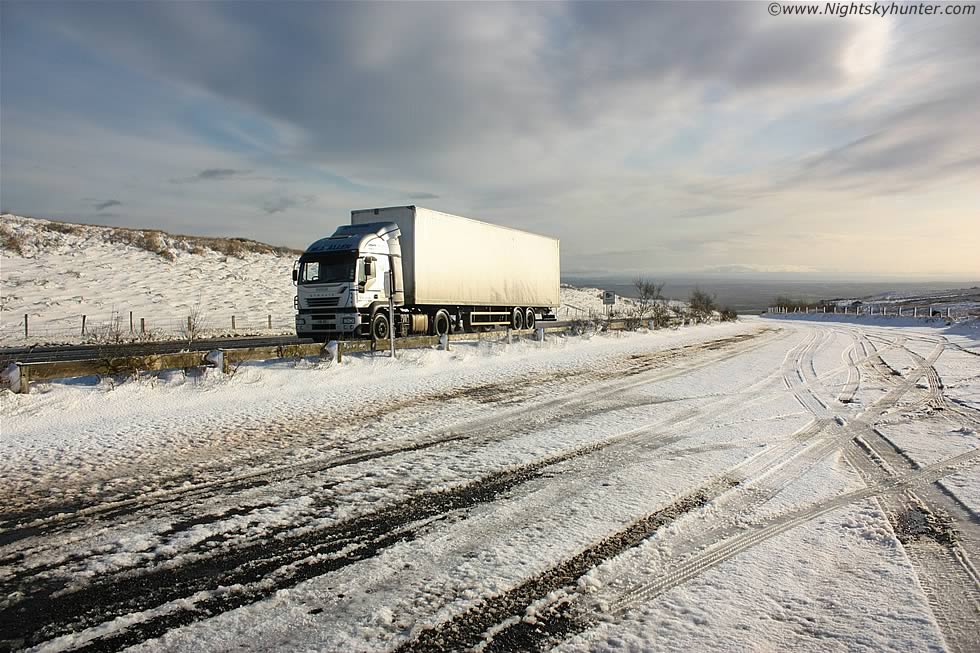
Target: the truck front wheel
(380, 328)
(441, 324)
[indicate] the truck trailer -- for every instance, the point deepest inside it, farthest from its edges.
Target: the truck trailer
(442, 273)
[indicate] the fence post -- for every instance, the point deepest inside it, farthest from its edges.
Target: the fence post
(131, 322)
(232, 322)
(270, 321)
(25, 325)
(83, 325)
(142, 325)
(190, 325)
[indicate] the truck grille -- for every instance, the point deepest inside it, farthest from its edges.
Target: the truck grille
(316, 302)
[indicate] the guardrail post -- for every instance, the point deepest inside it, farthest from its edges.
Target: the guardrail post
(13, 376)
(949, 312)
(540, 334)
(24, 373)
(25, 325)
(131, 322)
(83, 325)
(215, 358)
(142, 325)
(270, 321)
(232, 322)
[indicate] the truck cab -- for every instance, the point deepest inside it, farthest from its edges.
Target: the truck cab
(342, 281)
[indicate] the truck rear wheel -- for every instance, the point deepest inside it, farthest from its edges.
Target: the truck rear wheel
(529, 318)
(380, 327)
(517, 319)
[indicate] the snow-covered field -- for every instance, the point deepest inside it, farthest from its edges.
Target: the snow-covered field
(64, 271)
(764, 485)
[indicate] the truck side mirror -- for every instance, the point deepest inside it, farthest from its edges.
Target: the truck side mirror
(295, 275)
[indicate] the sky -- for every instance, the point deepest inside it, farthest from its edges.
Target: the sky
(650, 137)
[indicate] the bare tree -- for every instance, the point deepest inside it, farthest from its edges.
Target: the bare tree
(197, 323)
(648, 305)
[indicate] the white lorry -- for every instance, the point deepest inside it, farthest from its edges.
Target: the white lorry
(444, 273)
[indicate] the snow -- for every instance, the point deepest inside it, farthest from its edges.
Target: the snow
(788, 594)
(86, 270)
(388, 497)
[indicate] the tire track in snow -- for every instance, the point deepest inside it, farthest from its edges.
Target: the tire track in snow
(247, 566)
(547, 607)
(561, 617)
(945, 572)
(63, 517)
(777, 525)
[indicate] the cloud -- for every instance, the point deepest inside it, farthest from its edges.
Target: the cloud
(477, 87)
(220, 173)
(212, 174)
(282, 203)
(753, 268)
(678, 128)
(105, 204)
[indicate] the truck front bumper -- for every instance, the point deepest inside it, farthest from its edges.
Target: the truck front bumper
(340, 322)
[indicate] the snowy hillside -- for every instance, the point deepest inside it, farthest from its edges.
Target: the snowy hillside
(56, 272)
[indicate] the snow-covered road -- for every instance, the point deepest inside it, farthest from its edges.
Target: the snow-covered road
(761, 485)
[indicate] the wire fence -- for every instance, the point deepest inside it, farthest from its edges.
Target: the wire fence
(33, 329)
(913, 311)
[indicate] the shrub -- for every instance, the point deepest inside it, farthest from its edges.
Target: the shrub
(11, 240)
(63, 228)
(701, 305)
(728, 314)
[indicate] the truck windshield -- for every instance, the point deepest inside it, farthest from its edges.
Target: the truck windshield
(327, 268)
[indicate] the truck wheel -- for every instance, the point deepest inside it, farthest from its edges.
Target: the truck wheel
(529, 318)
(380, 327)
(517, 319)
(441, 325)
